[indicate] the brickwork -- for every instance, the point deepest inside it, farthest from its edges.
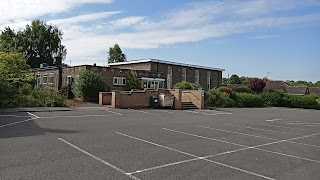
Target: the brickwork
(105, 98)
(140, 99)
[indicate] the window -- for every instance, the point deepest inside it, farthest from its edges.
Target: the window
(153, 84)
(184, 74)
(51, 78)
(45, 79)
(196, 77)
(120, 81)
(69, 79)
(169, 78)
(208, 79)
(38, 79)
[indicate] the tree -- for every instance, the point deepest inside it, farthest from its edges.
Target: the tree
(12, 66)
(39, 42)
(88, 85)
(132, 81)
(234, 79)
(116, 55)
(256, 85)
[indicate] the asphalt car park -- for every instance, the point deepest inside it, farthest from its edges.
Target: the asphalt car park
(105, 143)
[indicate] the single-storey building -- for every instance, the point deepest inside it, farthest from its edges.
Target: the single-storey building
(153, 74)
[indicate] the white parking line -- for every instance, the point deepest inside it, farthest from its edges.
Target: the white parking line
(253, 147)
(182, 152)
(144, 112)
(33, 115)
(170, 112)
(13, 116)
(279, 126)
(305, 123)
(16, 123)
(50, 117)
(98, 159)
(261, 129)
(114, 112)
(271, 120)
(234, 132)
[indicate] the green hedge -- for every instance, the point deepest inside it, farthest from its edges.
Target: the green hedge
(248, 100)
(219, 99)
(296, 101)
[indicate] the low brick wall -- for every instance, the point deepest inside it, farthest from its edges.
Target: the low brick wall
(194, 96)
(105, 98)
(140, 99)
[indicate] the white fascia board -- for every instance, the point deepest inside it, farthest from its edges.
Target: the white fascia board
(152, 79)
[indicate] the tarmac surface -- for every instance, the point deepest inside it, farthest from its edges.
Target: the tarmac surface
(104, 143)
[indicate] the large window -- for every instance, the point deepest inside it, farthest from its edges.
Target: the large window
(169, 78)
(51, 78)
(196, 77)
(120, 81)
(153, 83)
(69, 79)
(208, 80)
(184, 74)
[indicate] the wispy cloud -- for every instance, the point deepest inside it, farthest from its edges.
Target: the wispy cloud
(88, 36)
(265, 36)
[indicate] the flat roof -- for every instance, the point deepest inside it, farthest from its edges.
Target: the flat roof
(164, 62)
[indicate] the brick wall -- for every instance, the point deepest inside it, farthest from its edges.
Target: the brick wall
(105, 98)
(140, 99)
(135, 66)
(216, 76)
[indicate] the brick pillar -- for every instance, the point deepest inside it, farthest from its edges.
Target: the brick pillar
(201, 92)
(115, 99)
(177, 99)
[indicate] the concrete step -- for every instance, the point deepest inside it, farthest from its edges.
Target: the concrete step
(188, 105)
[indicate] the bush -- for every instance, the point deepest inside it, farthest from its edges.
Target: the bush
(243, 90)
(35, 98)
(273, 98)
(186, 85)
(248, 100)
(297, 101)
(219, 99)
(256, 85)
(88, 85)
(225, 89)
(66, 92)
(26, 89)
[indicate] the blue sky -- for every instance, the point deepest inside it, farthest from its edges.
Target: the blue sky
(245, 37)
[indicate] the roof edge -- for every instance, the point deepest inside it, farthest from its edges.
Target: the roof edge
(165, 62)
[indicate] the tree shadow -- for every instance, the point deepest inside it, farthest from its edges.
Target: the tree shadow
(22, 125)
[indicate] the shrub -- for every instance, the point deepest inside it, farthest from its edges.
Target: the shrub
(132, 81)
(297, 101)
(248, 100)
(88, 85)
(243, 90)
(26, 89)
(256, 85)
(273, 98)
(225, 89)
(186, 85)
(66, 92)
(216, 98)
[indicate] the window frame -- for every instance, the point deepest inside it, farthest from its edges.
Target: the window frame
(45, 76)
(184, 74)
(196, 76)
(169, 77)
(209, 80)
(120, 81)
(51, 77)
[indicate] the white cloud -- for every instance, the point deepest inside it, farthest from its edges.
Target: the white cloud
(83, 18)
(26, 9)
(88, 36)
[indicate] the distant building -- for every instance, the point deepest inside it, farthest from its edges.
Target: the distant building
(153, 74)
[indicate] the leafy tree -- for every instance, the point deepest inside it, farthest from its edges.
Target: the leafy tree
(116, 55)
(39, 42)
(12, 66)
(225, 81)
(186, 85)
(256, 85)
(244, 80)
(88, 85)
(234, 79)
(132, 81)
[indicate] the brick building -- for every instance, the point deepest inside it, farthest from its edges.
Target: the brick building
(153, 74)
